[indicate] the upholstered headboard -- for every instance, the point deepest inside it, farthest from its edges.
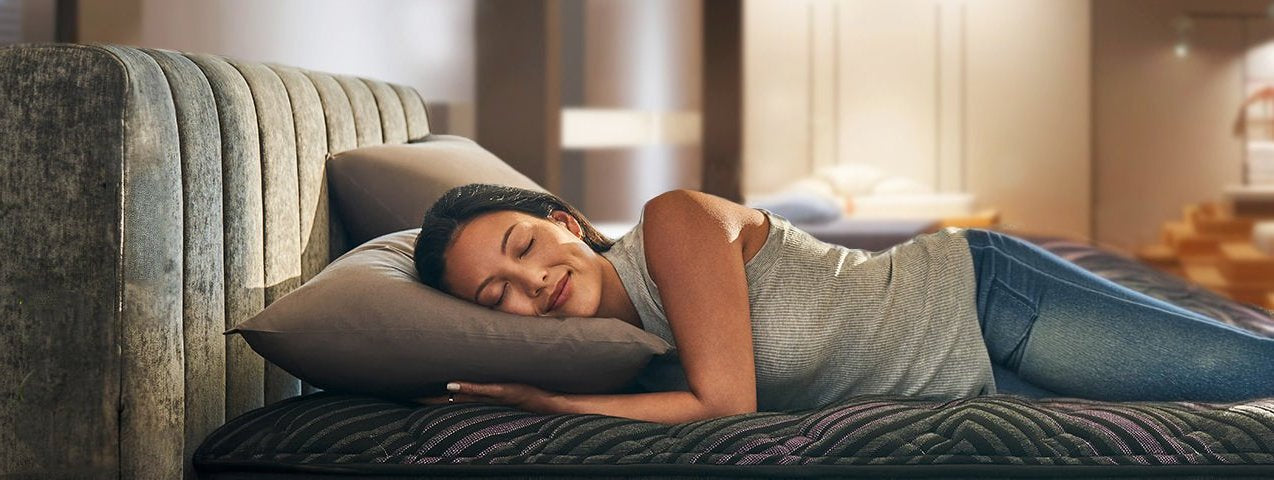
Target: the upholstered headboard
(149, 200)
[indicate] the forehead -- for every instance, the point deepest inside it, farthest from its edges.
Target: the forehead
(488, 228)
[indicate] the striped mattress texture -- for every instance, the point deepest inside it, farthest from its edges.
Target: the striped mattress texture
(329, 432)
(342, 432)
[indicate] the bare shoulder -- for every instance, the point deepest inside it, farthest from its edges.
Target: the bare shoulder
(683, 217)
(697, 246)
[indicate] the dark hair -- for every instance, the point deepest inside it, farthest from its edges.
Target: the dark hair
(464, 203)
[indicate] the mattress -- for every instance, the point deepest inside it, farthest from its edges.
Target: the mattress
(336, 433)
(328, 433)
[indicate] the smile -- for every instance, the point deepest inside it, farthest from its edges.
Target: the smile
(561, 293)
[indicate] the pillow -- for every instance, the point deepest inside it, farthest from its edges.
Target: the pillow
(851, 179)
(814, 185)
(383, 189)
(366, 324)
(800, 206)
(900, 186)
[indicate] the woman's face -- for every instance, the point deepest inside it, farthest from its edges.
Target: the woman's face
(526, 265)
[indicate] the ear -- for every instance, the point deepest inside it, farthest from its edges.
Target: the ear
(568, 221)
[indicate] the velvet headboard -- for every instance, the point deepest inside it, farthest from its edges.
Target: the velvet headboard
(149, 200)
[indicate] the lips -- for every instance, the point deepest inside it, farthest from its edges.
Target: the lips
(559, 293)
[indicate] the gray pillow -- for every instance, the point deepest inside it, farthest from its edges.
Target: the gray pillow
(367, 324)
(383, 189)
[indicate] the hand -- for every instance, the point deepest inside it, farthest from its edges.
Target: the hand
(518, 395)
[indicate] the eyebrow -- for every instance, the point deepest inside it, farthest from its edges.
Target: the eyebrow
(504, 242)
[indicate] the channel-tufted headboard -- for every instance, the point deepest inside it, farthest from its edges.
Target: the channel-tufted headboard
(149, 200)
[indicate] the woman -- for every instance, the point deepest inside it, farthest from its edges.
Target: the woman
(764, 315)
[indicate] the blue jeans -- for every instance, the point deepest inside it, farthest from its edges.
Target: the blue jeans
(1055, 329)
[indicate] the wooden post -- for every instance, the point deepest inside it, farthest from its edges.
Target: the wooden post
(66, 27)
(518, 114)
(723, 98)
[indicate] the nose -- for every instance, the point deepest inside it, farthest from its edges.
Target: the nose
(537, 283)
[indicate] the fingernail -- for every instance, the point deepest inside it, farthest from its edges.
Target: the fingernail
(453, 387)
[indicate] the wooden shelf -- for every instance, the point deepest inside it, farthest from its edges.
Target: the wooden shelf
(984, 219)
(1212, 247)
(1158, 254)
(1212, 278)
(1243, 262)
(1217, 222)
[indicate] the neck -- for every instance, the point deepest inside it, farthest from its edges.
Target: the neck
(615, 302)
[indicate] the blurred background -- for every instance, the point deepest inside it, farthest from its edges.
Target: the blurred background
(1142, 126)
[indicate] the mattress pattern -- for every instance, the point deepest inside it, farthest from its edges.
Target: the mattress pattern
(336, 429)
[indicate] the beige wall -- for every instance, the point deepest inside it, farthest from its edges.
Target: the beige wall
(777, 91)
(1163, 132)
(427, 44)
(886, 56)
(1028, 130)
(990, 97)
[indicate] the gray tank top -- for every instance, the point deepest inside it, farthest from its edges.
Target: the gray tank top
(829, 322)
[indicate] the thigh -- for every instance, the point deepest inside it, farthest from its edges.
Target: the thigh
(1088, 343)
(1006, 253)
(1004, 258)
(1072, 332)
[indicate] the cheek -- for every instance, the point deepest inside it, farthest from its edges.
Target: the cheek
(594, 288)
(520, 304)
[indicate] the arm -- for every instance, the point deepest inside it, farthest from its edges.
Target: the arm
(695, 251)
(661, 407)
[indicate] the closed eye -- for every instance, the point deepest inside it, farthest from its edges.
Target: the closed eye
(527, 249)
(504, 291)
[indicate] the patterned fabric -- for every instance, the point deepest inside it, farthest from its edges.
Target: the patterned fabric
(1145, 279)
(336, 429)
